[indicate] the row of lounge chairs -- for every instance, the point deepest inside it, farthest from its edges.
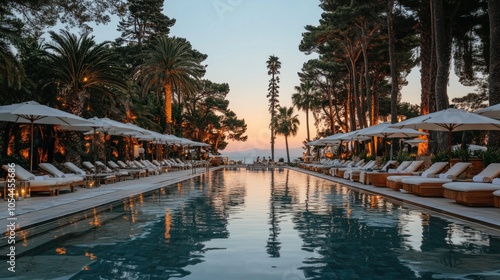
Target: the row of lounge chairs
(436, 181)
(55, 180)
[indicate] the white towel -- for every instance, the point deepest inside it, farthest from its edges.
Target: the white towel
(496, 181)
(446, 176)
(483, 179)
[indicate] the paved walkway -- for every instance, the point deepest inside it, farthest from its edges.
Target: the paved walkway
(485, 216)
(39, 209)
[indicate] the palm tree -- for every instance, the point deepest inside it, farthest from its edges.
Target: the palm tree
(286, 123)
(305, 99)
(80, 67)
(169, 62)
(273, 69)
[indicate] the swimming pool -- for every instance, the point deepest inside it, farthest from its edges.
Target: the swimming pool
(251, 224)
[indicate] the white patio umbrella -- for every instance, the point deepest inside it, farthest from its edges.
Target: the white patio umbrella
(491, 111)
(34, 113)
(96, 124)
(414, 142)
(450, 120)
(384, 130)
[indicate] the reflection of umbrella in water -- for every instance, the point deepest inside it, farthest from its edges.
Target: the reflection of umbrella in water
(34, 113)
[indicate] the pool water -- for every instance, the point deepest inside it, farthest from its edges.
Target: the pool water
(281, 224)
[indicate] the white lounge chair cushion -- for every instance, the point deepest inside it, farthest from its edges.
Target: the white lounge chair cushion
(23, 174)
(42, 183)
(400, 168)
(496, 193)
(457, 169)
(398, 178)
(471, 186)
(75, 169)
(413, 166)
(417, 180)
(433, 169)
(487, 175)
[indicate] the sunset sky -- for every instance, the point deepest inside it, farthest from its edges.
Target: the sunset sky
(238, 36)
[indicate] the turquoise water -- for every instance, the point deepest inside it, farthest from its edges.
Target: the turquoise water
(248, 224)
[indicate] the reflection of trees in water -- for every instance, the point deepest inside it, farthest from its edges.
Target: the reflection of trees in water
(280, 204)
(358, 236)
(164, 253)
(342, 243)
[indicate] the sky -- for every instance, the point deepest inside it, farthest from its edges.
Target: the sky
(239, 36)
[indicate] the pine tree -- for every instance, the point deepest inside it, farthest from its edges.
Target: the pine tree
(273, 69)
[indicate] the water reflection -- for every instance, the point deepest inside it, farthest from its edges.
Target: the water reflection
(267, 225)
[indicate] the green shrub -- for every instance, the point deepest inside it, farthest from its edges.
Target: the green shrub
(403, 156)
(491, 155)
(463, 154)
(440, 156)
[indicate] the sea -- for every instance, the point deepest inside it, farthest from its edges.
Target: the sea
(250, 155)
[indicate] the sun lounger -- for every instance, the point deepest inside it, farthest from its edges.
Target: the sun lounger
(479, 192)
(151, 166)
(120, 174)
(41, 183)
(379, 179)
(347, 164)
(363, 174)
(187, 164)
(135, 173)
(348, 172)
(100, 177)
(75, 180)
(394, 182)
(433, 187)
(496, 199)
(150, 170)
(163, 166)
(175, 164)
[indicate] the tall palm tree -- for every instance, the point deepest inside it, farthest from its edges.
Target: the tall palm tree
(169, 62)
(286, 123)
(305, 99)
(273, 69)
(80, 67)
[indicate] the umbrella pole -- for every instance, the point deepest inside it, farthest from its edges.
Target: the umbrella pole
(449, 147)
(31, 147)
(93, 148)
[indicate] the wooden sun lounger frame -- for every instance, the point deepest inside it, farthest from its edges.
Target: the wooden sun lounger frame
(52, 190)
(473, 198)
(379, 179)
(431, 189)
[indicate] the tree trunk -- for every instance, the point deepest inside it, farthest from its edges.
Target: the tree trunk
(369, 97)
(442, 62)
(392, 59)
(168, 107)
(330, 106)
(494, 66)
(442, 55)
(426, 66)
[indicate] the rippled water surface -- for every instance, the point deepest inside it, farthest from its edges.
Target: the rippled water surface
(281, 224)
